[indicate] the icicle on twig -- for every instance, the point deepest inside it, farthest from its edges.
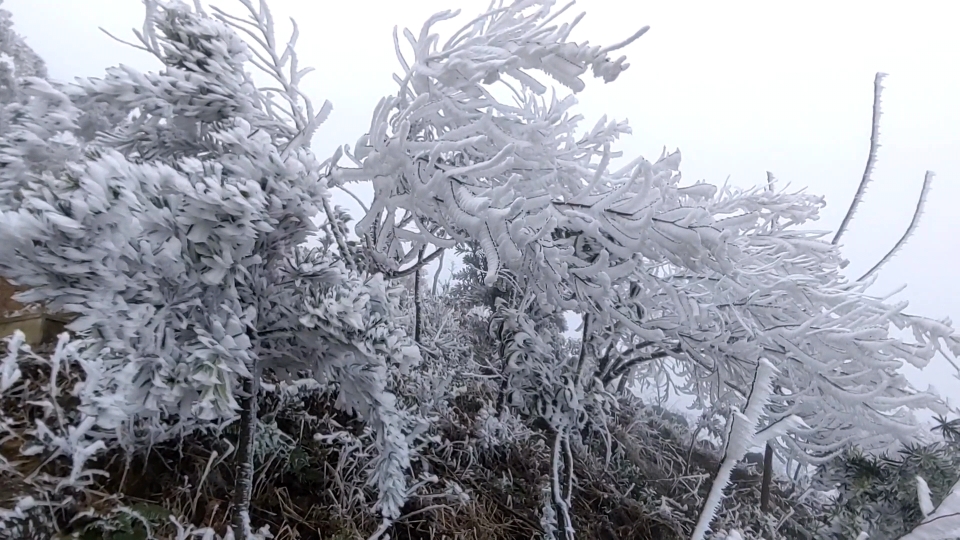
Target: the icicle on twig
(743, 435)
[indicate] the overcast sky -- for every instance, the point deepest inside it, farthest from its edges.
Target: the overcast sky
(740, 88)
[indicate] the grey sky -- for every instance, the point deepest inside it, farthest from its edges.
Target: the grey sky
(740, 87)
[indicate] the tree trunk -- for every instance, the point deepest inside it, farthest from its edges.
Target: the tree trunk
(417, 317)
(243, 485)
(767, 478)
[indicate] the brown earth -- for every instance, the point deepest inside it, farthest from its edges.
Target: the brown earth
(7, 303)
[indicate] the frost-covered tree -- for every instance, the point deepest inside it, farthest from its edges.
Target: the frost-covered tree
(17, 59)
(697, 279)
(174, 234)
(168, 210)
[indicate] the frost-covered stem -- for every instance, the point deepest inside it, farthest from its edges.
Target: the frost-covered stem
(436, 277)
(914, 222)
(742, 435)
(715, 497)
(560, 503)
(767, 478)
(568, 470)
(693, 444)
(243, 485)
(341, 242)
(871, 158)
(504, 383)
(583, 346)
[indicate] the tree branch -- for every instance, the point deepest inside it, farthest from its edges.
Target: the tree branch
(871, 159)
(417, 266)
(914, 222)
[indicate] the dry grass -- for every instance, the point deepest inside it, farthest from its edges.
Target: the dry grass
(651, 487)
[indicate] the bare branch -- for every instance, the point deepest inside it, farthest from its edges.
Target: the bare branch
(871, 158)
(355, 197)
(131, 44)
(914, 222)
(436, 277)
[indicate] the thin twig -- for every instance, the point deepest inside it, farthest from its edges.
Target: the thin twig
(914, 222)
(871, 158)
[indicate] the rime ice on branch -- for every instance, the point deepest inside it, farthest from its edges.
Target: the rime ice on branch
(698, 279)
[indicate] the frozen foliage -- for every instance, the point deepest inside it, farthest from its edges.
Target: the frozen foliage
(168, 211)
(57, 419)
(700, 280)
(174, 238)
(362, 347)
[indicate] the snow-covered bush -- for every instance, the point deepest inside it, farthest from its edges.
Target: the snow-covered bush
(174, 237)
(879, 493)
(51, 438)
